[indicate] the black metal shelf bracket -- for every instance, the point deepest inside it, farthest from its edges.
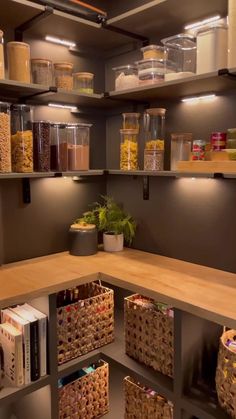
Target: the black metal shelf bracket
(225, 72)
(145, 188)
(143, 39)
(26, 191)
(19, 31)
(49, 91)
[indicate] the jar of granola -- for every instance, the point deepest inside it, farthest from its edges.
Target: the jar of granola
(129, 149)
(63, 75)
(5, 138)
(154, 126)
(21, 139)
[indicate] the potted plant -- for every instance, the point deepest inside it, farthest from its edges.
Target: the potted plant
(110, 218)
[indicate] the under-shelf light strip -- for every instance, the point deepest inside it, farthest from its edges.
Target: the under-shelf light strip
(59, 41)
(202, 22)
(198, 98)
(57, 105)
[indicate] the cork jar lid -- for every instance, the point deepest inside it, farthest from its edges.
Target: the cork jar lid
(82, 226)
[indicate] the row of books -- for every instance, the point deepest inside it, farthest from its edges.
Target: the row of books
(23, 338)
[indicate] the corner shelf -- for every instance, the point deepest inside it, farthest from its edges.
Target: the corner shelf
(10, 394)
(33, 175)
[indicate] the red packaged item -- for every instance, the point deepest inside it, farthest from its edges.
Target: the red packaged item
(218, 141)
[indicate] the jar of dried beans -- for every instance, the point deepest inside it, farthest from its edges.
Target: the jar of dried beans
(41, 135)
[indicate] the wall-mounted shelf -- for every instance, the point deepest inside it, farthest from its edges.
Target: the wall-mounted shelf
(161, 173)
(10, 394)
(12, 90)
(81, 173)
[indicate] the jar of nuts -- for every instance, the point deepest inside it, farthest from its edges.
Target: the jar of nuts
(21, 139)
(129, 149)
(154, 127)
(63, 75)
(41, 147)
(5, 138)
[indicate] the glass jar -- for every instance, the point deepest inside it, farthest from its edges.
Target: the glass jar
(153, 51)
(41, 71)
(59, 149)
(21, 139)
(2, 65)
(18, 54)
(41, 146)
(83, 82)
(129, 149)
(63, 75)
(131, 120)
(5, 138)
(231, 138)
(126, 77)
(181, 145)
(180, 52)
(150, 71)
(78, 146)
(154, 126)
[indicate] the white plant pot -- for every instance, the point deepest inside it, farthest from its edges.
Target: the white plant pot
(113, 242)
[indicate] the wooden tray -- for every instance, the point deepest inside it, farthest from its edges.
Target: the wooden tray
(207, 166)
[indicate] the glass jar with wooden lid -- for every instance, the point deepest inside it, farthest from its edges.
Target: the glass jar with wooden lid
(2, 66)
(83, 82)
(63, 75)
(18, 54)
(41, 71)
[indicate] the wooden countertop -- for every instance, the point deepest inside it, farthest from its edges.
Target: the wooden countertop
(207, 292)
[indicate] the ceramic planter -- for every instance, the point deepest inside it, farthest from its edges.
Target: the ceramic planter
(113, 242)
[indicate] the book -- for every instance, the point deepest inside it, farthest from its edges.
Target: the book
(11, 341)
(8, 316)
(42, 318)
(34, 341)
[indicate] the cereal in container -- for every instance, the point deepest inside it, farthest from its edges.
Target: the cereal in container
(21, 139)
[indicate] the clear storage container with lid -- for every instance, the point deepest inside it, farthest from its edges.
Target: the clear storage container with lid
(18, 54)
(180, 52)
(21, 139)
(231, 138)
(63, 75)
(5, 138)
(41, 70)
(181, 145)
(126, 77)
(59, 149)
(83, 82)
(212, 51)
(131, 120)
(41, 146)
(154, 127)
(153, 51)
(150, 71)
(2, 65)
(129, 149)
(78, 137)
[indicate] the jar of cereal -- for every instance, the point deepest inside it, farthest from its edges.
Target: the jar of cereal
(21, 139)
(63, 75)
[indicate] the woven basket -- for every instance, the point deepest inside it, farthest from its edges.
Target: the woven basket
(226, 375)
(141, 405)
(87, 397)
(87, 324)
(149, 336)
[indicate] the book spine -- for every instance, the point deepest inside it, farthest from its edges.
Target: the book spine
(19, 372)
(26, 337)
(34, 350)
(43, 346)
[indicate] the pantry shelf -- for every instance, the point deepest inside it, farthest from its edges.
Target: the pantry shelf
(10, 394)
(81, 173)
(12, 90)
(203, 407)
(16, 12)
(161, 173)
(72, 98)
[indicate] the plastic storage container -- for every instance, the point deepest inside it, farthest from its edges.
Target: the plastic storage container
(231, 34)
(78, 146)
(83, 82)
(2, 65)
(212, 49)
(41, 147)
(126, 77)
(131, 120)
(129, 149)
(18, 54)
(153, 51)
(150, 71)
(181, 145)
(59, 148)
(154, 127)
(180, 53)
(5, 138)
(41, 70)
(21, 139)
(63, 75)
(231, 138)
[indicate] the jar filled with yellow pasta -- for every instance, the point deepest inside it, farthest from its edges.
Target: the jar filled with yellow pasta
(129, 149)
(154, 126)
(131, 120)
(21, 139)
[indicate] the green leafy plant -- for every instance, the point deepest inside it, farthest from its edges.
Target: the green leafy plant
(110, 218)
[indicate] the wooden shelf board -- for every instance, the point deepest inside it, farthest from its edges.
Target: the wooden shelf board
(203, 408)
(15, 90)
(10, 394)
(16, 12)
(80, 173)
(164, 173)
(207, 167)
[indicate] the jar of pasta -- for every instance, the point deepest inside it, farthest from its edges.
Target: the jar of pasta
(129, 149)
(2, 66)
(63, 75)
(5, 138)
(131, 120)
(21, 139)
(154, 126)
(18, 54)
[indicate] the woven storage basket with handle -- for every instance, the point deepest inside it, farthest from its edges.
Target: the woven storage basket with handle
(140, 404)
(87, 324)
(149, 335)
(226, 375)
(87, 397)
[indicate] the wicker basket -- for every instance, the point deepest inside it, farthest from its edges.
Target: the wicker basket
(149, 335)
(226, 375)
(87, 324)
(142, 405)
(87, 397)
